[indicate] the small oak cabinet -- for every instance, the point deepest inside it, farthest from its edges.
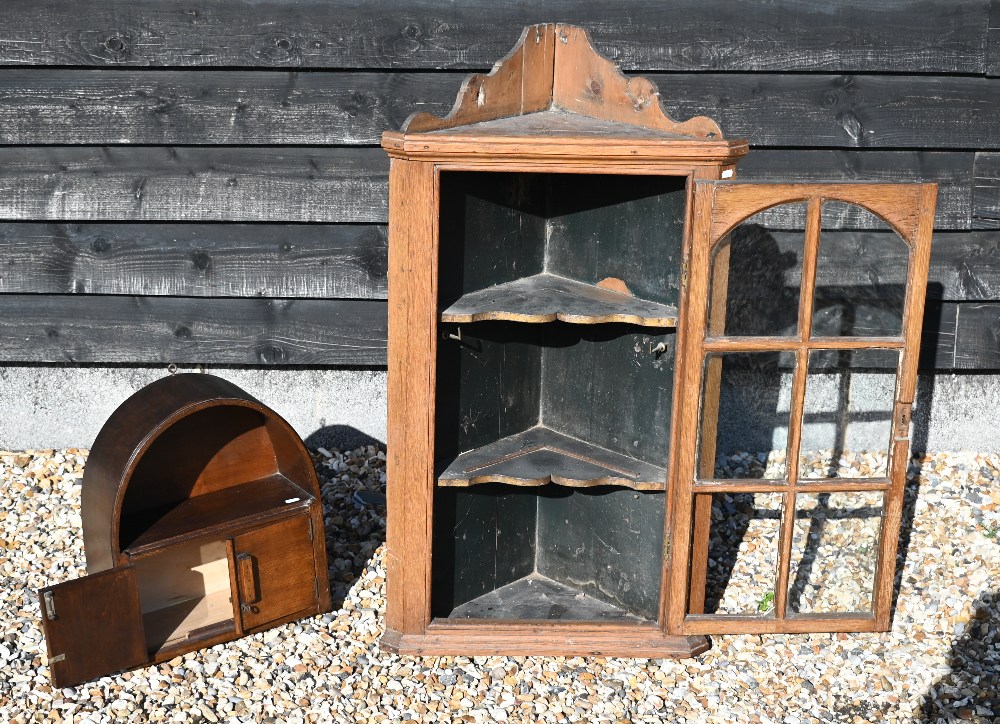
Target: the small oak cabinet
(202, 522)
(587, 322)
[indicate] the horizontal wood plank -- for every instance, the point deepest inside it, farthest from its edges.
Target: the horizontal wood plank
(891, 35)
(169, 183)
(952, 171)
(337, 184)
(937, 337)
(860, 111)
(347, 261)
(204, 107)
(965, 266)
(161, 330)
(986, 191)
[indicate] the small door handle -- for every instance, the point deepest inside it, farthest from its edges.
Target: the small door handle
(247, 580)
(50, 605)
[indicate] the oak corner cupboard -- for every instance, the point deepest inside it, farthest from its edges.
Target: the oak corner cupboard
(632, 402)
(202, 522)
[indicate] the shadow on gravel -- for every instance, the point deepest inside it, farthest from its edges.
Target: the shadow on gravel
(971, 690)
(351, 474)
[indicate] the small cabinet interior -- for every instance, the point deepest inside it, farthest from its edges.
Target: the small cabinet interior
(205, 505)
(185, 593)
(558, 296)
(235, 467)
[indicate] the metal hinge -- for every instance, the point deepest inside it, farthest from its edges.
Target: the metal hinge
(901, 427)
(666, 545)
(316, 587)
(684, 272)
(310, 528)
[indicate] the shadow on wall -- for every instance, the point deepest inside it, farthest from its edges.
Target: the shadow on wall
(352, 485)
(971, 690)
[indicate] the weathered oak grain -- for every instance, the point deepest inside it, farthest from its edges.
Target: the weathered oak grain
(539, 456)
(785, 35)
(547, 298)
(166, 183)
(160, 330)
(45, 106)
(346, 261)
(986, 191)
(340, 184)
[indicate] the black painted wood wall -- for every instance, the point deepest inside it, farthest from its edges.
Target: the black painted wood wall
(200, 181)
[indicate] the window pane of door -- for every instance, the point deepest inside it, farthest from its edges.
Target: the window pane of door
(756, 274)
(745, 409)
(847, 414)
(742, 553)
(860, 275)
(835, 546)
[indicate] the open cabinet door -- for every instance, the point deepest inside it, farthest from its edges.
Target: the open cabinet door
(800, 338)
(93, 626)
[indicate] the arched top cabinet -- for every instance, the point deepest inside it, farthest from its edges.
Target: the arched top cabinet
(202, 522)
(186, 453)
(590, 320)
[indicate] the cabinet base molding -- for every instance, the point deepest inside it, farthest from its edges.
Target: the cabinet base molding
(542, 639)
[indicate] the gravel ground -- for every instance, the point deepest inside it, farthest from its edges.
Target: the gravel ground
(941, 662)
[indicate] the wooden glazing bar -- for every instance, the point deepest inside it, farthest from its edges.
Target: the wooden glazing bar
(817, 486)
(757, 344)
(810, 254)
(828, 622)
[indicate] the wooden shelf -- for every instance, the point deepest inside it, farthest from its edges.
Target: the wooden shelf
(537, 597)
(539, 456)
(171, 625)
(215, 513)
(547, 298)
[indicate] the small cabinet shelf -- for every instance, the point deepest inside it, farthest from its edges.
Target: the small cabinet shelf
(549, 298)
(569, 329)
(539, 456)
(536, 597)
(201, 523)
(219, 512)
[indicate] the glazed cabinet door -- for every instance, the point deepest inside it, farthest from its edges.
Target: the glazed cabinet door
(93, 626)
(275, 571)
(800, 339)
